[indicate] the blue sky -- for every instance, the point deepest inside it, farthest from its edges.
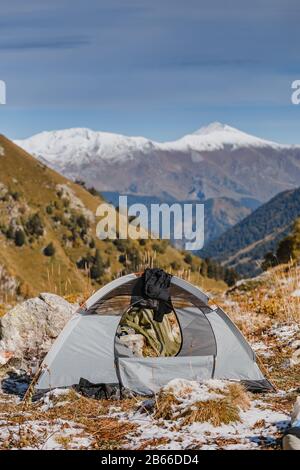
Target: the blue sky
(155, 68)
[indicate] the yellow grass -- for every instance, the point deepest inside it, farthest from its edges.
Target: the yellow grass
(217, 411)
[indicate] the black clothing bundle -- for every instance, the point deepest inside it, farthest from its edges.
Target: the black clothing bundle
(156, 287)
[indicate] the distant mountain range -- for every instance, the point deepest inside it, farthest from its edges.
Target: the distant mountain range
(231, 171)
(243, 246)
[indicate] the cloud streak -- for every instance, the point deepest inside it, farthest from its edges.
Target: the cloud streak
(182, 63)
(66, 42)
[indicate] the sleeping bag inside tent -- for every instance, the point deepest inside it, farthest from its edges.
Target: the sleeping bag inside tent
(141, 331)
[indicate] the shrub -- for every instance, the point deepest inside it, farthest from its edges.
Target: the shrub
(19, 237)
(66, 202)
(80, 182)
(97, 269)
(122, 259)
(175, 265)
(34, 226)
(57, 205)
(93, 191)
(269, 261)
(188, 258)
(82, 222)
(203, 269)
(49, 250)
(15, 195)
(10, 233)
(160, 246)
(230, 276)
(85, 262)
(120, 245)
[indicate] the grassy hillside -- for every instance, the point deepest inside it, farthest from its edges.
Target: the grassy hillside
(244, 246)
(48, 235)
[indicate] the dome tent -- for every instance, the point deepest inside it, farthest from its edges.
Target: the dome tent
(88, 347)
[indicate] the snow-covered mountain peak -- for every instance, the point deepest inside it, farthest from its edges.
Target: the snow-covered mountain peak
(69, 148)
(78, 145)
(214, 127)
(217, 136)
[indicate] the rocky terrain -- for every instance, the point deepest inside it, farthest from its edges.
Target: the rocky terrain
(185, 415)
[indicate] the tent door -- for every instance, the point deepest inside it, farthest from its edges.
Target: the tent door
(146, 375)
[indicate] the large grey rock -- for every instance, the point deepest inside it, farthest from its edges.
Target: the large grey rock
(29, 329)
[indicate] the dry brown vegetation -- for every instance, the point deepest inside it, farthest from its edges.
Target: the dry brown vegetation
(216, 411)
(89, 416)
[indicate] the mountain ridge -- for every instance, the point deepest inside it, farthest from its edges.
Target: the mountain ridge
(244, 245)
(217, 162)
(219, 157)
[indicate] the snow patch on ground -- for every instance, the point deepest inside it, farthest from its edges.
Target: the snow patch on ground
(47, 436)
(262, 349)
(285, 332)
(188, 392)
(258, 425)
(296, 293)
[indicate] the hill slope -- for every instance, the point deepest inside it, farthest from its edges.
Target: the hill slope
(48, 234)
(244, 245)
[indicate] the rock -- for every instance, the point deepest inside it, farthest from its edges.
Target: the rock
(295, 359)
(135, 342)
(5, 356)
(147, 406)
(295, 415)
(291, 438)
(8, 284)
(290, 442)
(28, 330)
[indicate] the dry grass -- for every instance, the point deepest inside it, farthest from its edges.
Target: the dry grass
(238, 396)
(165, 405)
(217, 411)
(91, 417)
(273, 297)
(262, 304)
(153, 443)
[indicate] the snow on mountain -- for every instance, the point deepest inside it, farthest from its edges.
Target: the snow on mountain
(79, 145)
(215, 161)
(230, 169)
(217, 136)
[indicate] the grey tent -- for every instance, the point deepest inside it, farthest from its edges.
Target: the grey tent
(211, 345)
